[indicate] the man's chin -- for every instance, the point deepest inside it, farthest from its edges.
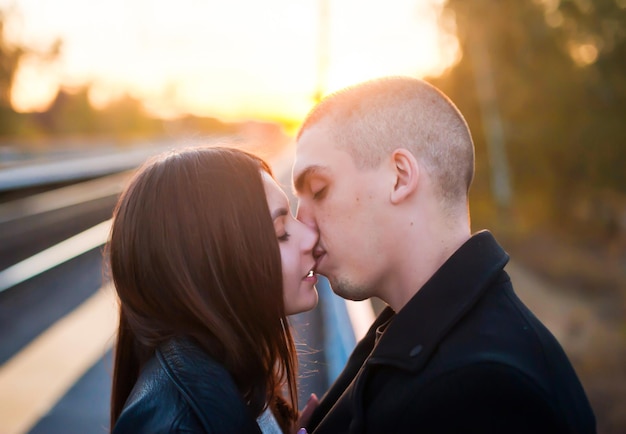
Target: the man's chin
(347, 290)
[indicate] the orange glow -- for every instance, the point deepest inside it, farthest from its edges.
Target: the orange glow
(583, 54)
(234, 60)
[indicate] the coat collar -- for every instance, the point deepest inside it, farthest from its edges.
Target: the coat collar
(206, 384)
(416, 330)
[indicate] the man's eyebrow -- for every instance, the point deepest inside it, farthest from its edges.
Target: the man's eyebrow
(299, 182)
(279, 212)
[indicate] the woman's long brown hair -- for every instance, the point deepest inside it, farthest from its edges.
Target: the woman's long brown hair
(193, 252)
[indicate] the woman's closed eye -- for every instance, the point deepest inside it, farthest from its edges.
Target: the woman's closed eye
(280, 223)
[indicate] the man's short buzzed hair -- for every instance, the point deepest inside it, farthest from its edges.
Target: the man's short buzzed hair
(371, 119)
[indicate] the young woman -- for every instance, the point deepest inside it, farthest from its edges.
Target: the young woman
(207, 261)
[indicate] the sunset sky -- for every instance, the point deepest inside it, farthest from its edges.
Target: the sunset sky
(231, 59)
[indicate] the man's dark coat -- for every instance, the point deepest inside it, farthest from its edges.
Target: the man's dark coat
(465, 355)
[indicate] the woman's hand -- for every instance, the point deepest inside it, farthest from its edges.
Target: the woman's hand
(305, 414)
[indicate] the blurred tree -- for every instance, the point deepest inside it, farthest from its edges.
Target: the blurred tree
(9, 61)
(70, 113)
(126, 117)
(193, 126)
(596, 41)
(557, 69)
(11, 54)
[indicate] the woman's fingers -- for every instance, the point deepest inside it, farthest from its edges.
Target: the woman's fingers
(306, 413)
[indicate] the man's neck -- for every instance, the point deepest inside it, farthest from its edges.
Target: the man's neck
(420, 261)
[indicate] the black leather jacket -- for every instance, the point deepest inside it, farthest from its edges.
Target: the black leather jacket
(182, 389)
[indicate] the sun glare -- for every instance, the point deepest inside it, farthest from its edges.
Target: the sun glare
(237, 59)
(35, 85)
(375, 39)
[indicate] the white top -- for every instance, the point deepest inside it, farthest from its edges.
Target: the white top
(267, 422)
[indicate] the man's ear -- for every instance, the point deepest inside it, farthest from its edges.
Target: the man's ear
(406, 174)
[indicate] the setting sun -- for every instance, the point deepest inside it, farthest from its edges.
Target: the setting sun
(232, 60)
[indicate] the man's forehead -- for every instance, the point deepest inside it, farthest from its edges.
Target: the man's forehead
(310, 149)
(316, 150)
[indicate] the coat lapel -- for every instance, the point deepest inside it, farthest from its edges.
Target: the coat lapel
(449, 294)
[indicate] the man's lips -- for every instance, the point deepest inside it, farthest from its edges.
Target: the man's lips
(317, 254)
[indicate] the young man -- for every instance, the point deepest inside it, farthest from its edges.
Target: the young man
(383, 171)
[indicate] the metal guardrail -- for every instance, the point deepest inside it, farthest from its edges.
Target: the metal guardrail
(77, 166)
(62, 197)
(110, 169)
(51, 257)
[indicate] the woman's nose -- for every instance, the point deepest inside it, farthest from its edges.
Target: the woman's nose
(304, 215)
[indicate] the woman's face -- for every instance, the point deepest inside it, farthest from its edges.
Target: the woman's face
(296, 242)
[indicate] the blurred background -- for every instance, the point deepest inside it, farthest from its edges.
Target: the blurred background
(542, 84)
